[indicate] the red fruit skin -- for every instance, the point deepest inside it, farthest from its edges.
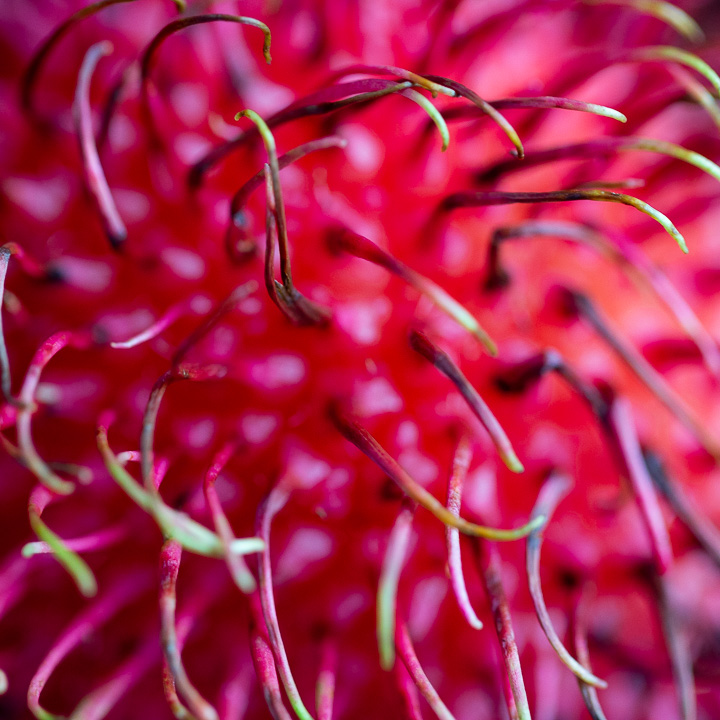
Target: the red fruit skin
(279, 380)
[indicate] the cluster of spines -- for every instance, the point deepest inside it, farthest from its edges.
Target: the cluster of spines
(182, 532)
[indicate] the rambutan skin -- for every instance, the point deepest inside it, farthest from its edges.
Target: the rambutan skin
(319, 403)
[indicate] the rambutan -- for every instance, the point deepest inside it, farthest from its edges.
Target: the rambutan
(366, 382)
